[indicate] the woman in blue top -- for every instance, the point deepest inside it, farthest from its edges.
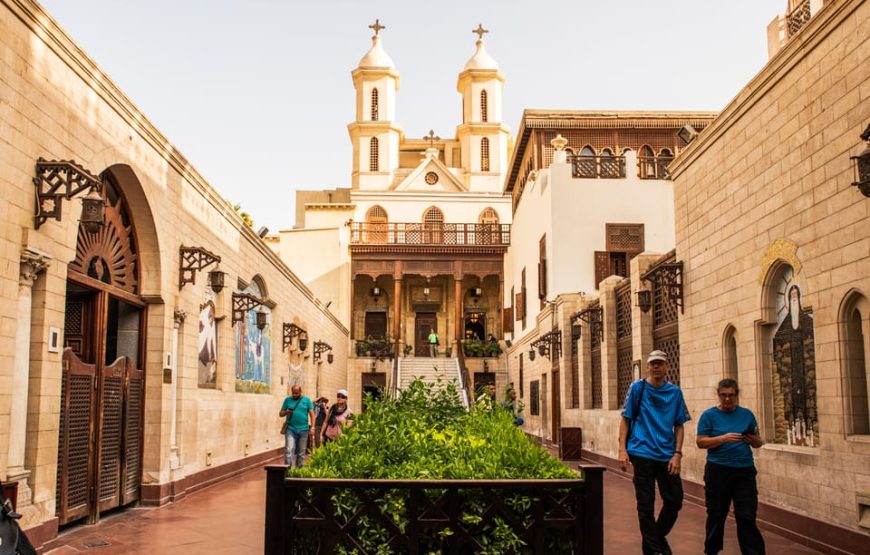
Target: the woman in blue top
(728, 431)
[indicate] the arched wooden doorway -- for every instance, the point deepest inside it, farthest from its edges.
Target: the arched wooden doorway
(103, 384)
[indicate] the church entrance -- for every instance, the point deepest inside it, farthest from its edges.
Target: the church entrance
(424, 322)
(103, 380)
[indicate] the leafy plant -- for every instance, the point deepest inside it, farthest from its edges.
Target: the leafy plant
(426, 434)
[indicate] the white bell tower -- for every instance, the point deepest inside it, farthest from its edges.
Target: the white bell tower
(482, 135)
(374, 133)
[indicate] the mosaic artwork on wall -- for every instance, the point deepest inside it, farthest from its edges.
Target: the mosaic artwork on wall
(795, 411)
(207, 345)
(253, 350)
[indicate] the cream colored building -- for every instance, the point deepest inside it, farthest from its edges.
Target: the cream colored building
(417, 242)
(128, 373)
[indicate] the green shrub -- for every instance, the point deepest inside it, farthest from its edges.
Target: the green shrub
(427, 434)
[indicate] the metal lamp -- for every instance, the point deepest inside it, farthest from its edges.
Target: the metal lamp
(261, 320)
(644, 300)
(532, 354)
(93, 211)
(216, 279)
(303, 342)
(861, 165)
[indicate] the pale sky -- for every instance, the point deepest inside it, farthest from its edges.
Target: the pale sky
(257, 94)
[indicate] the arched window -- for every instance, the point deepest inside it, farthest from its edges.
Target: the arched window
(373, 155)
(729, 353)
(376, 225)
(484, 115)
(646, 161)
(788, 353)
(375, 104)
(484, 154)
(433, 225)
(488, 232)
(584, 164)
(853, 356)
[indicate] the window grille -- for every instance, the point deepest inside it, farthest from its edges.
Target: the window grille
(373, 155)
(484, 116)
(484, 154)
(375, 105)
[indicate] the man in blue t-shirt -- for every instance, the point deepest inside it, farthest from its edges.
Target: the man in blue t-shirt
(728, 431)
(651, 437)
(299, 414)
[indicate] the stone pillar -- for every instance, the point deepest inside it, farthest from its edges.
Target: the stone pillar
(457, 326)
(174, 460)
(397, 312)
(32, 263)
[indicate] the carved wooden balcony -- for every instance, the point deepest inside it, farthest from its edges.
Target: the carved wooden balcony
(431, 234)
(798, 17)
(597, 167)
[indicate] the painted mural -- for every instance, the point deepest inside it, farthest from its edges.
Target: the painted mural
(207, 345)
(793, 366)
(253, 349)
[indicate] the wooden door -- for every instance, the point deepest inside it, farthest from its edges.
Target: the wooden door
(75, 448)
(376, 325)
(424, 322)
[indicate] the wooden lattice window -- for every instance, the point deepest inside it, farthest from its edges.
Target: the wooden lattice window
(375, 105)
(488, 232)
(522, 382)
(523, 296)
(488, 216)
(575, 366)
(542, 270)
(623, 341)
(484, 115)
(433, 225)
(433, 216)
(535, 398)
(646, 160)
(374, 161)
(376, 224)
(484, 154)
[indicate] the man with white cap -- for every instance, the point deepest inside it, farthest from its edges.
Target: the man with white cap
(337, 419)
(651, 438)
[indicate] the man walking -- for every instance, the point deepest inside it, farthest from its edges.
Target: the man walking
(651, 437)
(433, 343)
(728, 431)
(299, 412)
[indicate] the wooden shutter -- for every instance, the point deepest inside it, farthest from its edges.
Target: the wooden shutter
(75, 448)
(520, 304)
(134, 396)
(602, 266)
(507, 323)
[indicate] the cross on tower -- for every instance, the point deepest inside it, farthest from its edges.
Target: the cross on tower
(480, 31)
(432, 137)
(376, 26)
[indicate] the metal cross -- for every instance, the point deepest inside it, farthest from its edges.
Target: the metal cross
(432, 137)
(480, 31)
(376, 26)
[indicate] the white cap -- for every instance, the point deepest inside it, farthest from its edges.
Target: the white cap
(343, 393)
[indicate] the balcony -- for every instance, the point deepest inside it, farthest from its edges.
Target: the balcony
(430, 234)
(798, 17)
(602, 167)
(653, 167)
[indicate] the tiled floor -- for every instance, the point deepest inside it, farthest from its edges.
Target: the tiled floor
(228, 518)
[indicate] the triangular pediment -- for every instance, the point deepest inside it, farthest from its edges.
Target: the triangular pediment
(431, 176)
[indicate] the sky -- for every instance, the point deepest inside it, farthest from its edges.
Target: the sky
(257, 94)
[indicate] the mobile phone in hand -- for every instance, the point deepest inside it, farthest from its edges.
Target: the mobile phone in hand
(750, 431)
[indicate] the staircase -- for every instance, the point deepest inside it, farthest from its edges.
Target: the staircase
(430, 370)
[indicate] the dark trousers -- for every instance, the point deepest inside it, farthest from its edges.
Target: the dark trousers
(722, 485)
(648, 473)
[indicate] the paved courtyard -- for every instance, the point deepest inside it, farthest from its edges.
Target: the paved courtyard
(228, 518)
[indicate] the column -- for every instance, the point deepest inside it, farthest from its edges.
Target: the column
(499, 323)
(457, 326)
(32, 263)
(397, 312)
(174, 460)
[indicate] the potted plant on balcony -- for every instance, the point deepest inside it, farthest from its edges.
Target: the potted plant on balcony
(406, 350)
(491, 349)
(363, 348)
(472, 348)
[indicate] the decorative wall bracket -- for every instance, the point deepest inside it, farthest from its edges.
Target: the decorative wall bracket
(242, 302)
(321, 347)
(549, 345)
(290, 331)
(668, 277)
(193, 259)
(59, 179)
(592, 316)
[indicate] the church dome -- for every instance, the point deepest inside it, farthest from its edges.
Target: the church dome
(376, 57)
(481, 59)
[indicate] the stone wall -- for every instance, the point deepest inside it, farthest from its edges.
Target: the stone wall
(57, 104)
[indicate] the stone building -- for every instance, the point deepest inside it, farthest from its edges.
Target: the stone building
(418, 240)
(590, 192)
(148, 338)
(767, 283)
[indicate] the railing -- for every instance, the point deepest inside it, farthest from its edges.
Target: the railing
(798, 17)
(591, 167)
(653, 167)
(376, 348)
(550, 516)
(464, 378)
(367, 233)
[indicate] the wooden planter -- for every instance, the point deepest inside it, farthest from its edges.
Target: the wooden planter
(298, 508)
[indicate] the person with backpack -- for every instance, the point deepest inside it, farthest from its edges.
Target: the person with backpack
(338, 417)
(298, 412)
(651, 440)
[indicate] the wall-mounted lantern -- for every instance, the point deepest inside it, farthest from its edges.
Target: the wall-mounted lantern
(216, 279)
(861, 165)
(290, 331)
(303, 341)
(262, 319)
(196, 259)
(62, 179)
(243, 302)
(644, 300)
(321, 347)
(548, 345)
(376, 291)
(532, 354)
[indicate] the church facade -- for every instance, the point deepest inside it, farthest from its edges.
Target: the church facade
(417, 243)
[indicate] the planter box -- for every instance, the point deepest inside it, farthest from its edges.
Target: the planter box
(297, 509)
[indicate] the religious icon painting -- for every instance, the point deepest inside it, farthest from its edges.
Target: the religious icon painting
(793, 366)
(253, 349)
(207, 345)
